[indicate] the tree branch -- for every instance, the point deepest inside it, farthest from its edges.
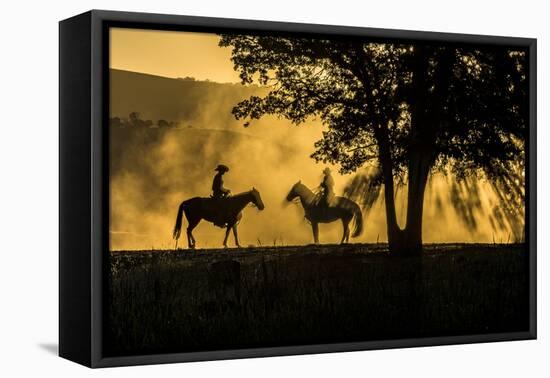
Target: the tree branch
(361, 147)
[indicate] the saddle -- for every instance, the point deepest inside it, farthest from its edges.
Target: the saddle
(220, 216)
(321, 201)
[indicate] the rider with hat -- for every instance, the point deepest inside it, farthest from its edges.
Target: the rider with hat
(218, 190)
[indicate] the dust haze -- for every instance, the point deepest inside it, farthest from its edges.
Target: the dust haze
(153, 169)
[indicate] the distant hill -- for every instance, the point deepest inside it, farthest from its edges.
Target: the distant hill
(196, 103)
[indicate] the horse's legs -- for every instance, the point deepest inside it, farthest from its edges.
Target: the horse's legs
(226, 236)
(315, 228)
(190, 239)
(345, 236)
(189, 243)
(235, 235)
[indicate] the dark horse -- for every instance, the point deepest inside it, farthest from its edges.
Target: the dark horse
(226, 211)
(339, 208)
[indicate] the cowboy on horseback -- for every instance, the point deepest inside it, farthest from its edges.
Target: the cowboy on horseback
(327, 188)
(218, 190)
(340, 208)
(220, 193)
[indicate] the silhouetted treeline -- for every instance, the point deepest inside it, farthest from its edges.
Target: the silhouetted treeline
(134, 121)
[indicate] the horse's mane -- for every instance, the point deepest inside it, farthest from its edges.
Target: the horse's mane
(301, 186)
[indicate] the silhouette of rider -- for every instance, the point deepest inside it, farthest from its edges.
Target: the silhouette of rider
(218, 190)
(327, 188)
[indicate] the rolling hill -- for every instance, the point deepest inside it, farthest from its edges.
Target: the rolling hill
(196, 103)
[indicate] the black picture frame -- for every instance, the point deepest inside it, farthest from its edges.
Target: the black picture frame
(83, 180)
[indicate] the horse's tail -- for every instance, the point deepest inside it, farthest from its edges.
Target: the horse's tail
(357, 221)
(179, 220)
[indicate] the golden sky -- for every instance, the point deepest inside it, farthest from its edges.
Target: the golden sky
(171, 54)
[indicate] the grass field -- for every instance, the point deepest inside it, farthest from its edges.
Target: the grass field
(177, 301)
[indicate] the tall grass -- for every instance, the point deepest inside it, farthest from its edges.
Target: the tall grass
(174, 302)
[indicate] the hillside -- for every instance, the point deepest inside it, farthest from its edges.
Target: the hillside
(188, 101)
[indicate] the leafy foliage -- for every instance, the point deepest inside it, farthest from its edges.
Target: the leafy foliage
(476, 97)
(461, 110)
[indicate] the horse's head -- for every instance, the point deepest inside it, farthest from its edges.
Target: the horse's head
(293, 192)
(257, 199)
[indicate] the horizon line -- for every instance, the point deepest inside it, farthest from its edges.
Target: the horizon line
(181, 78)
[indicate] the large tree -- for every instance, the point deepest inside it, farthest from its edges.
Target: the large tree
(407, 108)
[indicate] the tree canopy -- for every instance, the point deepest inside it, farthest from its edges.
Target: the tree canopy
(406, 108)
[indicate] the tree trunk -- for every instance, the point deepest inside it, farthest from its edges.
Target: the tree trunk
(420, 158)
(419, 168)
(407, 241)
(395, 234)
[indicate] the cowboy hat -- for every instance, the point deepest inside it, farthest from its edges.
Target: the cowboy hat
(222, 168)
